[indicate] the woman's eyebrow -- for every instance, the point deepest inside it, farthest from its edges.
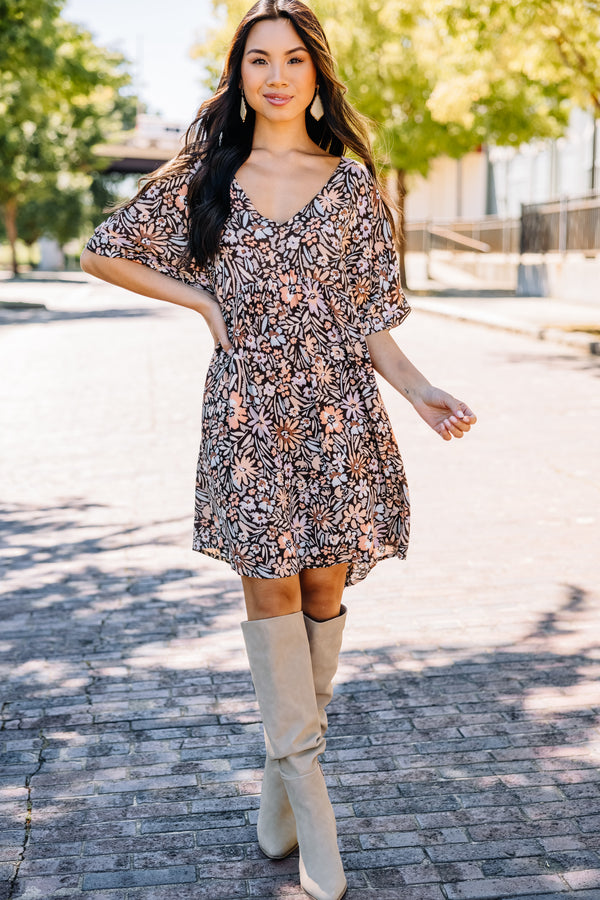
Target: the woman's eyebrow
(265, 52)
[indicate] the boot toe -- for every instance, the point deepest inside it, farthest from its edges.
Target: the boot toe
(335, 888)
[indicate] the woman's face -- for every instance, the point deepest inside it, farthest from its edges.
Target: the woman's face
(279, 77)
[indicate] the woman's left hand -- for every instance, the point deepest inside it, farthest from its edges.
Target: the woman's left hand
(447, 416)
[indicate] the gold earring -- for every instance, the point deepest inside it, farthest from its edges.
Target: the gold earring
(243, 108)
(316, 107)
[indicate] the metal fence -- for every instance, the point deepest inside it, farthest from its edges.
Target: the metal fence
(567, 224)
(488, 235)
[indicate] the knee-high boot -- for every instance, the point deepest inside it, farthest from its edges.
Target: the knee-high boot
(281, 667)
(276, 825)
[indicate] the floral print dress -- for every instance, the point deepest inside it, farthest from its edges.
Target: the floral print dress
(298, 465)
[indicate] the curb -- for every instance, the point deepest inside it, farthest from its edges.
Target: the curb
(577, 339)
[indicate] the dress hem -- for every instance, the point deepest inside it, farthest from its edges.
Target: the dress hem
(399, 553)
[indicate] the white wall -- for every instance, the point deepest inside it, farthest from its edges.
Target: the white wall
(452, 189)
(545, 170)
(533, 173)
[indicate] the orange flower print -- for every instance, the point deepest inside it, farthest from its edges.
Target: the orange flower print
(289, 291)
(181, 200)
(332, 419)
(368, 539)
(329, 197)
(286, 542)
(283, 500)
(288, 435)
(147, 236)
(355, 515)
(243, 470)
(362, 287)
(239, 556)
(357, 465)
(237, 413)
(323, 372)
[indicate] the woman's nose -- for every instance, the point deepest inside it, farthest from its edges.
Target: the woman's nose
(276, 74)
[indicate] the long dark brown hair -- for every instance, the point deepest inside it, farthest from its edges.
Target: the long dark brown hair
(221, 142)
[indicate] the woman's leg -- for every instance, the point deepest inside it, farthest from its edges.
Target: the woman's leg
(325, 619)
(267, 598)
(280, 661)
(317, 592)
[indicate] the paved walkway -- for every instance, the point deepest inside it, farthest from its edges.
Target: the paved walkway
(474, 299)
(464, 748)
(575, 325)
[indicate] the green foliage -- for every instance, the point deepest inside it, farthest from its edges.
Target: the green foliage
(68, 209)
(384, 62)
(60, 95)
(550, 43)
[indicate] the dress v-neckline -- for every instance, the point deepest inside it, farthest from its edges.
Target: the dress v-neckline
(306, 206)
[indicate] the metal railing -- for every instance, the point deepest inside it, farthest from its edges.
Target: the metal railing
(487, 235)
(569, 224)
(566, 224)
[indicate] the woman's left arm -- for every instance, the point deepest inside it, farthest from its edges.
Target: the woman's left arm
(447, 416)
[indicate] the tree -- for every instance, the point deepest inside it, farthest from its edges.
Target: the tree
(60, 95)
(554, 43)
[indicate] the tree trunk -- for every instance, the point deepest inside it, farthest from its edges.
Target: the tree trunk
(595, 121)
(10, 223)
(401, 192)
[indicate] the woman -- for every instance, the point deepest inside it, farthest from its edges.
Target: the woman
(285, 247)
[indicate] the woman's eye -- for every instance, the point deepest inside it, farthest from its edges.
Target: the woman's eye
(257, 60)
(296, 59)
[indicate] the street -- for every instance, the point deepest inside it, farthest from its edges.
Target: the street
(464, 747)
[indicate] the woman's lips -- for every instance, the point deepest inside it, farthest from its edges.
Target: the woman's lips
(277, 99)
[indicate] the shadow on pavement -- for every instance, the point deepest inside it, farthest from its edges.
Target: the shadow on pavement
(132, 747)
(574, 361)
(35, 536)
(73, 276)
(12, 316)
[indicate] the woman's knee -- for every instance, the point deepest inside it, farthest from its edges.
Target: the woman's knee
(267, 598)
(322, 591)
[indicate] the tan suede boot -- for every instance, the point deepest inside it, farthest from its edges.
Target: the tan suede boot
(276, 825)
(325, 640)
(281, 666)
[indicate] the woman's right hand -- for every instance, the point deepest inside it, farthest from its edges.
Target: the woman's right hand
(211, 311)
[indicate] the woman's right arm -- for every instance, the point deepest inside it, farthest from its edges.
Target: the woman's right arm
(141, 279)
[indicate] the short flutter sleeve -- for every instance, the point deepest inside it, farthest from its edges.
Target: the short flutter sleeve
(153, 231)
(372, 263)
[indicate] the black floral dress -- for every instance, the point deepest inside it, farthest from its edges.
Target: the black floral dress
(298, 465)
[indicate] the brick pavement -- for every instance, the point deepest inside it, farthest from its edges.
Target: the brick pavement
(464, 747)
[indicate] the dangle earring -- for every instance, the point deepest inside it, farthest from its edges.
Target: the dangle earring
(243, 107)
(316, 107)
